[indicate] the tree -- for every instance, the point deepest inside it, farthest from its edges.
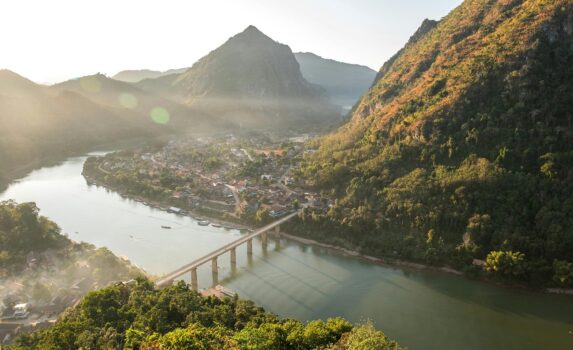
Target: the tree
(563, 273)
(508, 264)
(262, 215)
(366, 337)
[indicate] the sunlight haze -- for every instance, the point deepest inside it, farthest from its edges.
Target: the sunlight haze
(53, 41)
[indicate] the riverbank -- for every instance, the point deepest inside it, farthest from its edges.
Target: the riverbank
(196, 214)
(384, 261)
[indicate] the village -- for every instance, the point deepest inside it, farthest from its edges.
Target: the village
(250, 178)
(52, 281)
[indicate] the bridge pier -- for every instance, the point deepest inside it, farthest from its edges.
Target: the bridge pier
(278, 231)
(215, 276)
(231, 247)
(194, 283)
(214, 267)
(250, 247)
(233, 252)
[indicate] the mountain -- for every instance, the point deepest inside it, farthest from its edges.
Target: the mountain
(39, 122)
(135, 76)
(345, 83)
(130, 99)
(463, 146)
(250, 80)
(12, 84)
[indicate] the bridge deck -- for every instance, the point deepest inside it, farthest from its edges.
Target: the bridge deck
(198, 262)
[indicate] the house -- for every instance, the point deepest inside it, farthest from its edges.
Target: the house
(267, 177)
(21, 310)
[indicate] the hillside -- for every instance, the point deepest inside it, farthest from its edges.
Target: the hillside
(138, 316)
(344, 83)
(37, 122)
(135, 76)
(250, 80)
(44, 268)
(131, 100)
(463, 146)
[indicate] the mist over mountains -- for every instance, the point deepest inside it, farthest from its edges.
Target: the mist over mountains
(250, 82)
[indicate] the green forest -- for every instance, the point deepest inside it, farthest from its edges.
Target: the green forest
(23, 230)
(462, 149)
(138, 316)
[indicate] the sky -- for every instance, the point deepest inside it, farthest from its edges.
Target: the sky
(52, 41)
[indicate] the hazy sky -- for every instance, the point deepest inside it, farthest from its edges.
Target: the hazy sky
(50, 41)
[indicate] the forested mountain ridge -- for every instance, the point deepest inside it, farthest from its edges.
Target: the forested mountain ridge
(463, 146)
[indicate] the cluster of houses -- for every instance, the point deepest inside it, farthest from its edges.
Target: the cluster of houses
(243, 180)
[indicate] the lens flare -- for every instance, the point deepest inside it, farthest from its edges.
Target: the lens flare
(160, 115)
(90, 84)
(128, 101)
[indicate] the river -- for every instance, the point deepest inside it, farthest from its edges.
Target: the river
(420, 309)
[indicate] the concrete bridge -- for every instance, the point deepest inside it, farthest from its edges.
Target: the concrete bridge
(231, 248)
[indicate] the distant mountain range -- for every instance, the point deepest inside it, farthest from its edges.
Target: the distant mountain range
(39, 122)
(250, 80)
(344, 83)
(135, 76)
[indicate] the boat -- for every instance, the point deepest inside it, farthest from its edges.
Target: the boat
(203, 223)
(215, 225)
(166, 227)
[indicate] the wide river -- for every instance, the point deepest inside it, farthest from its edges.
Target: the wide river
(420, 309)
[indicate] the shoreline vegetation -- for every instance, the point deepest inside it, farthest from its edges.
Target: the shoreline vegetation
(139, 316)
(383, 261)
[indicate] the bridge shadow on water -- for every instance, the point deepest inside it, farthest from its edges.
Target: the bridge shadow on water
(276, 288)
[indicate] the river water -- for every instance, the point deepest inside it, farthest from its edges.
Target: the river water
(420, 309)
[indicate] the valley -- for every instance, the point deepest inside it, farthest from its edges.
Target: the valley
(298, 280)
(220, 183)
